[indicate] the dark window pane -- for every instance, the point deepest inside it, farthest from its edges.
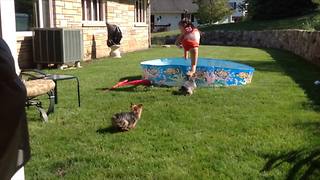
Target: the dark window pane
(95, 12)
(88, 9)
(46, 13)
(24, 15)
(140, 10)
(137, 10)
(101, 10)
(83, 10)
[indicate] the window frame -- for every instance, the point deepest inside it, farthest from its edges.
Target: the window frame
(143, 23)
(38, 4)
(100, 12)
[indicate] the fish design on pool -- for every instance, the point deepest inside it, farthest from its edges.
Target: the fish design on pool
(151, 73)
(210, 72)
(172, 71)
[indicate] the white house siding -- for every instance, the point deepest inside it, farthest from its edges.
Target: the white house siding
(169, 18)
(237, 12)
(168, 12)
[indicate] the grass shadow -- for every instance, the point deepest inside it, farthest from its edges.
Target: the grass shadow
(103, 89)
(177, 93)
(180, 93)
(33, 115)
(126, 88)
(312, 127)
(131, 78)
(63, 167)
(302, 72)
(304, 164)
(108, 130)
(131, 89)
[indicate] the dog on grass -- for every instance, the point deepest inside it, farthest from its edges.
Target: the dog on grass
(126, 121)
(188, 86)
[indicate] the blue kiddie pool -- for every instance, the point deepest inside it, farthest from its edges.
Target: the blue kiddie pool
(210, 72)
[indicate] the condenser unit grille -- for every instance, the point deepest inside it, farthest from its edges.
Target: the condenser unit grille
(57, 46)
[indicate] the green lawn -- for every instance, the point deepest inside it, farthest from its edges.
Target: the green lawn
(267, 130)
(308, 22)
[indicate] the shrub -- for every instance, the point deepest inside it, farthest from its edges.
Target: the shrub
(275, 9)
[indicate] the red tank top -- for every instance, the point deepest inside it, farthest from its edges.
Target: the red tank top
(191, 38)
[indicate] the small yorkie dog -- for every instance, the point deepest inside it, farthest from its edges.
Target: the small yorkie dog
(126, 121)
(188, 86)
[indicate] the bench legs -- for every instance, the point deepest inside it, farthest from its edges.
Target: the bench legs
(51, 95)
(38, 105)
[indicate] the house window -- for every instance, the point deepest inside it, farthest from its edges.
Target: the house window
(233, 5)
(24, 15)
(140, 11)
(31, 14)
(93, 10)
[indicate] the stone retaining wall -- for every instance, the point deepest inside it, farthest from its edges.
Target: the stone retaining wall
(303, 43)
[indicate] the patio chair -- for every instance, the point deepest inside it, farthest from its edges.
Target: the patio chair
(40, 83)
(37, 86)
(34, 83)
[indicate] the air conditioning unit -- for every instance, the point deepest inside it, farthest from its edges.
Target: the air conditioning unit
(57, 46)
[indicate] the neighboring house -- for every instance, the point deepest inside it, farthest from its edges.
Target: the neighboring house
(237, 14)
(166, 14)
(90, 16)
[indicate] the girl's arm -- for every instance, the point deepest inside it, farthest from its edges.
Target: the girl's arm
(179, 40)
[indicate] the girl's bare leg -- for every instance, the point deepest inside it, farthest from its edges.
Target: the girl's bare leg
(194, 53)
(186, 55)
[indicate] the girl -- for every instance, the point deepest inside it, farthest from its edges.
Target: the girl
(189, 39)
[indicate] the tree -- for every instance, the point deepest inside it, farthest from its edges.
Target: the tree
(317, 2)
(275, 9)
(211, 11)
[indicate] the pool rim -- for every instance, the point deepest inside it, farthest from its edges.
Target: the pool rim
(245, 67)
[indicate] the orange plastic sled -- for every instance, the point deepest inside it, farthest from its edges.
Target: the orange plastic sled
(126, 82)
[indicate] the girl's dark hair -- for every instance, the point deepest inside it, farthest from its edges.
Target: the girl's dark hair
(186, 23)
